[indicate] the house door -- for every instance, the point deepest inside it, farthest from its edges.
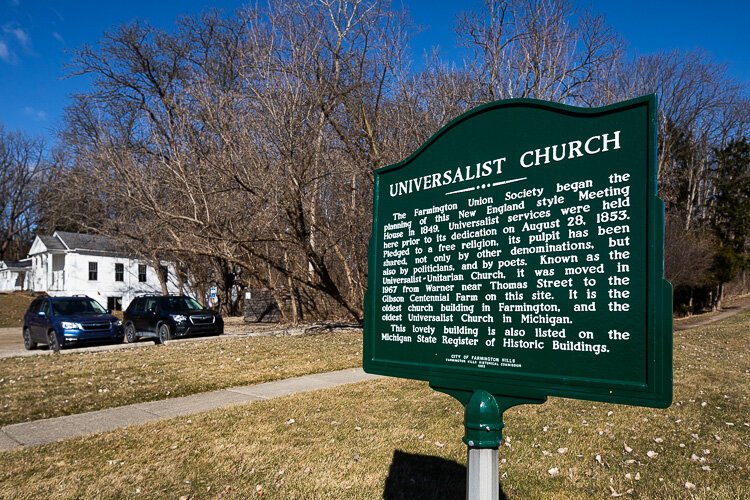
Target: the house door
(58, 272)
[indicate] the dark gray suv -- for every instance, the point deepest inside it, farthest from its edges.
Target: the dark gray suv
(164, 317)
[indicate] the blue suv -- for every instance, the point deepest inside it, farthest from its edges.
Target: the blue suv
(62, 321)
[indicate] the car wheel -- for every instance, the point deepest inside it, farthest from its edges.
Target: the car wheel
(52, 341)
(130, 335)
(28, 344)
(164, 333)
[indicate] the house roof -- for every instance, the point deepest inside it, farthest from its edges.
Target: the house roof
(18, 263)
(63, 241)
(15, 265)
(89, 242)
(52, 243)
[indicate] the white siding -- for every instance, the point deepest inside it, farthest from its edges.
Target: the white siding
(74, 277)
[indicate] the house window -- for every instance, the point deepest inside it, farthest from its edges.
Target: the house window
(93, 271)
(141, 273)
(114, 303)
(119, 273)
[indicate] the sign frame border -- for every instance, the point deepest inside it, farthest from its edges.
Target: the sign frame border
(657, 392)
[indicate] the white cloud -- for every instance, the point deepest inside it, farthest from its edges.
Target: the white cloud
(21, 35)
(57, 36)
(5, 54)
(36, 114)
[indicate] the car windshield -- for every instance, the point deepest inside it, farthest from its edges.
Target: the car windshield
(178, 304)
(66, 307)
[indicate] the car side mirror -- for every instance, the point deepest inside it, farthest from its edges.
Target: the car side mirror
(109, 311)
(42, 314)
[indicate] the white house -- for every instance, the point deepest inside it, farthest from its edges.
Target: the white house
(13, 275)
(73, 263)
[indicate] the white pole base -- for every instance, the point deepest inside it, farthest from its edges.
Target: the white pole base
(482, 480)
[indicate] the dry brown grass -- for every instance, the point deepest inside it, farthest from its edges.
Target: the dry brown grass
(48, 386)
(12, 308)
(398, 439)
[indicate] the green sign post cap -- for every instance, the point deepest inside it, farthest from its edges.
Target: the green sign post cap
(483, 421)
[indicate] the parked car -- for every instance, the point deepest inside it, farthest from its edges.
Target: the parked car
(164, 317)
(63, 321)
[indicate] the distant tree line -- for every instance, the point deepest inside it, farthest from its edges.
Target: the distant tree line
(243, 146)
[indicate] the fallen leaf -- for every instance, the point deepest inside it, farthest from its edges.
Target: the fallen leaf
(689, 485)
(651, 454)
(614, 492)
(553, 471)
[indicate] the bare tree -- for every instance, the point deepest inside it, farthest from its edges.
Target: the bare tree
(541, 49)
(700, 108)
(250, 140)
(23, 169)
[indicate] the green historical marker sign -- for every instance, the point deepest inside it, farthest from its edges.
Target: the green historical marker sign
(519, 251)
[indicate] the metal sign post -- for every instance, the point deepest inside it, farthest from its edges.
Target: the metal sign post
(483, 423)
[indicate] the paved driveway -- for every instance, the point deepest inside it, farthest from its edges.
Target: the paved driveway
(11, 342)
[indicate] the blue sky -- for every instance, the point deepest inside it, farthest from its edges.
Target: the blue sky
(37, 37)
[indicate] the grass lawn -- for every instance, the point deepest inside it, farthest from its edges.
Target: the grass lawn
(49, 386)
(398, 439)
(12, 308)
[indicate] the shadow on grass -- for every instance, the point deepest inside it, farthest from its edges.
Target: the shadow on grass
(416, 477)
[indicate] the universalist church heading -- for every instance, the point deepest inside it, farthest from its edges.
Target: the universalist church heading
(571, 150)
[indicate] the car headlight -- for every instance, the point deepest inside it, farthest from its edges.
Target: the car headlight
(178, 317)
(67, 325)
